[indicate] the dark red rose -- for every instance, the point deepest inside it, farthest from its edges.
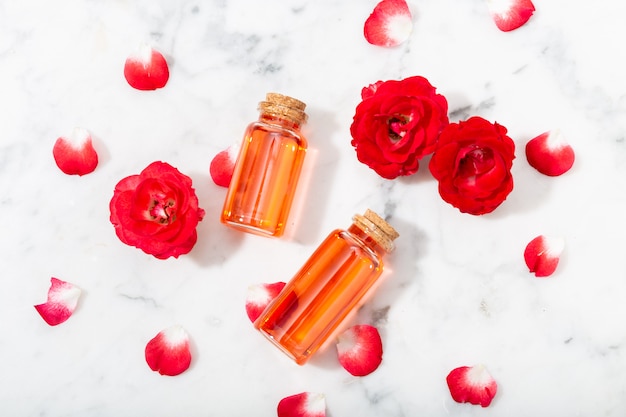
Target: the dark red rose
(397, 124)
(472, 163)
(156, 211)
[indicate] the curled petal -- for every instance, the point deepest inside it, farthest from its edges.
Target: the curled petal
(510, 14)
(62, 301)
(259, 296)
(472, 384)
(550, 154)
(390, 24)
(360, 349)
(146, 69)
(542, 255)
(75, 154)
(168, 352)
(304, 404)
(222, 166)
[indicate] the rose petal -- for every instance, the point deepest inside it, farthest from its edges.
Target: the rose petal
(223, 165)
(146, 69)
(472, 384)
(259, 296)
(75, 155)
(305, 404)
(550, 154)
(168, 352)
(62, 301)
(360, 349)
(542, 255)
(389, 24)
(510, 14)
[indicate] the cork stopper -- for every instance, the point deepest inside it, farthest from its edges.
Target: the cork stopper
(284, 106)
(375, 226)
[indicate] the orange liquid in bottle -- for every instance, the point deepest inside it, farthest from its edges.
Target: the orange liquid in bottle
(268, 168)
(322, 294)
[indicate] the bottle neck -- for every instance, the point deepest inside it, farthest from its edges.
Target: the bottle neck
(367, 239)
(279, 120)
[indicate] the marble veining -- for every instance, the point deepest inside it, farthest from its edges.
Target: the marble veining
(456, 291)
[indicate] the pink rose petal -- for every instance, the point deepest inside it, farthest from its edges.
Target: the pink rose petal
(223, 165)
(510, 14)
(259, 296)
(472, 384)
(62, 301)
(390, 23)
(146, 69)
(75, 154)
(542, 255)
(550, 154)
(360, 349)
(168, 352)
(305, 404)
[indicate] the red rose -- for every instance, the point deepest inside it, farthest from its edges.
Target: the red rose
(472, 163)
(156, 211)
(397, 124)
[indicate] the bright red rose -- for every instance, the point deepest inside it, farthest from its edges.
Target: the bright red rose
(397, 124)
(156, 211)
(472, 163)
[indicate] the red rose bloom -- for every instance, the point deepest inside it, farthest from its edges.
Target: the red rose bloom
(472, 163)
(156, 211)
(397, 124)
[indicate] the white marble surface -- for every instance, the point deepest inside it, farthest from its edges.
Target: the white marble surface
(458, 293)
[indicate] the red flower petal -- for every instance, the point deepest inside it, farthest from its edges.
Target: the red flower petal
(222, 166)
(62, 301)
(510, 14)
(390, 23)
(542, 255)
(549, 154)
(305, 404)
(360, 349)
(168, 352)
(75, 155)
(472, 384)
(259, 296)
(146, 69)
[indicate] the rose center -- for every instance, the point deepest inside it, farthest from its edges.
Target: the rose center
(396, 127)
(162, 209)
(476, 162)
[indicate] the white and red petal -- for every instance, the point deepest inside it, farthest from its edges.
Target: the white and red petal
(472, 384)
(259, 296)
(542, 255)
(305, 404)
(61, 303)
(510, 14)
(168, 352)
(75, 154)
(223, 165)
(389, 24)
(146, 69)
(360, 349)
(550, 154)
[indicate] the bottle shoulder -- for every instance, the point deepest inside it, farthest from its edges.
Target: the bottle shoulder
(260, 130)
(361, 244)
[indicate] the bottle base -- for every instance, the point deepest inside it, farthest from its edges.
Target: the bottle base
(252, 228)
(298, 359)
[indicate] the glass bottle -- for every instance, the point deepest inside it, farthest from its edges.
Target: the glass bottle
(267, 169)
(329, 286)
